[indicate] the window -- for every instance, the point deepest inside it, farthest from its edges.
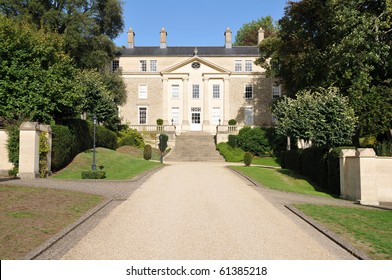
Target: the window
(115, 65)
(143, 65)
(215, 91)
(175, 115)
(248, 65)
(153, 65)
(248, 91)
(175, 91)
(142, 91)
(195, 91)
(142, 115)
(248, 112)
(215, 115)
(276, 91)
(238, 66)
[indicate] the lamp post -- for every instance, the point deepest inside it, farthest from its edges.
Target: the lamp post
(94, 166)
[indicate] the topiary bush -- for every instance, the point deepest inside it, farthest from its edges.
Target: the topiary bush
(163, 138)
(248, 158)
(232, 141)
(93, 174)
(106, 138)
(130, 137)
(159, 122)
(230, 154)
(255, 141)
(232, 122)
(147, 153)
(64, 146)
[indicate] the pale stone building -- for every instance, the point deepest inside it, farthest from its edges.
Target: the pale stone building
(195, 88)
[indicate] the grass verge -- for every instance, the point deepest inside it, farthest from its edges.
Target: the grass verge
(281, 179)
(368, 230)
(29, 216)
(118, 166)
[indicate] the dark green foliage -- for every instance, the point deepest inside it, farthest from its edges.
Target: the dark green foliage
(232, 122)
(13, 172)
(75, 137)
(232, 141)
(277, 142)
(230, 154)
(384, 149)
(163, 138)
(159, 122)
(248, 158)
(333, 166)
(314, 165)
(13, 144)
(254, 140)
(292, 160)
(147, 153)
(93, 174)
(130, 137)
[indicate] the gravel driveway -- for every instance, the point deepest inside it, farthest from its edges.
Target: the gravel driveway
(201, 211)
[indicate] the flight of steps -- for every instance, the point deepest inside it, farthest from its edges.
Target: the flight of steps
(195, 146)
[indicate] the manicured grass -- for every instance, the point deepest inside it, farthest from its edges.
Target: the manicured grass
(118, 166)
(281, 179)
(368, 230)
(268, 161)
(29, 216)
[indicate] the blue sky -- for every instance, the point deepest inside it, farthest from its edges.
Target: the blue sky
(192, 23)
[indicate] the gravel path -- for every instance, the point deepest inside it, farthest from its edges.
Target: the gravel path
(201, 211)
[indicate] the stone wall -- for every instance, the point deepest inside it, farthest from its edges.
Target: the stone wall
(364, 177)
(5, 165)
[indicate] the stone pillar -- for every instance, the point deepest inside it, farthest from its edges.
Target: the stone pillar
(367, 176)
(261, 35)
(206, 103)
(185, 106)
(29, 150)
(344, 182)
(165, 101)
(226, 101)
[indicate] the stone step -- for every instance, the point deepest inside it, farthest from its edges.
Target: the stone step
(195, 147)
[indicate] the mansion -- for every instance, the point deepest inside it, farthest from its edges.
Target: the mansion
(195, 88)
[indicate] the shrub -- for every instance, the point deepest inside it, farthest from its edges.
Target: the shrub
(248, 158)
(130, 137)
(159, 122)
(163, 138)
(292, 160)
(64, 146)
(106, 138)
(384, 149)
(232, 122)
(147, 153)
(13, 144)
(13, 172)
(230, 154)
(93, 174)
(232, 141)
(254, 141)
(314, 165)
(43, 154)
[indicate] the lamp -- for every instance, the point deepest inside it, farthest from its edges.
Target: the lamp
(94, 166)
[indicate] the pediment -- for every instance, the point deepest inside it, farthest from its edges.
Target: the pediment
(205, 67)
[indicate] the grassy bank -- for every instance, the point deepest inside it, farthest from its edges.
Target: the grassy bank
(118, 166)
(281, 179)
(29, 216)
(368, 230)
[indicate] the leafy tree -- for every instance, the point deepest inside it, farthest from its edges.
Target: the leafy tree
(345, 44)
(87, 25)
(247, 35)
(37, 78)
(324, 117)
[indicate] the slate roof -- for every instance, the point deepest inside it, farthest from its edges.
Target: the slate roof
(189, 51)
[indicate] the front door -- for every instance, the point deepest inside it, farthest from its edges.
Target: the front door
(196, 119)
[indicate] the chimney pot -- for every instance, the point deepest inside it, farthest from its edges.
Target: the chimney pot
(227, 34)
(163, 38)
(131, 38)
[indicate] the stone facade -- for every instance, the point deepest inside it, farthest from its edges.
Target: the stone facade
(195, 88)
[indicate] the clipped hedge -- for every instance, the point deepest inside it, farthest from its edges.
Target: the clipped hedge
(232, 141)
(93, 174)
(248, 158)
(230, 154)
(255, 141)
(75, 137)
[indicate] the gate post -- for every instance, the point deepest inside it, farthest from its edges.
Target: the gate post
(29, 150)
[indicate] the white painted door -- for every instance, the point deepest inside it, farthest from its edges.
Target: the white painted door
(196, 119)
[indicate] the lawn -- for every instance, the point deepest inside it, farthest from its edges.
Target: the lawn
(368, 230)
(118, 166)
(29, 216)
(267, 161)
(281, 179)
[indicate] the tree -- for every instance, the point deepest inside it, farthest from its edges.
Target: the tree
(323, 117)
(341, 43)
(88, 26)
(37, 78)
(247, 35)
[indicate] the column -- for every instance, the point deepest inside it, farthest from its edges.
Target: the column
(226, 101)
(367, 173)
(185, 104)
(165, 101)
(206, 103)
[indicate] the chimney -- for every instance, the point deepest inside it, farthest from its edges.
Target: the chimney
(163, 43)
(228, 38)
(131, 38)
(261, 35)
